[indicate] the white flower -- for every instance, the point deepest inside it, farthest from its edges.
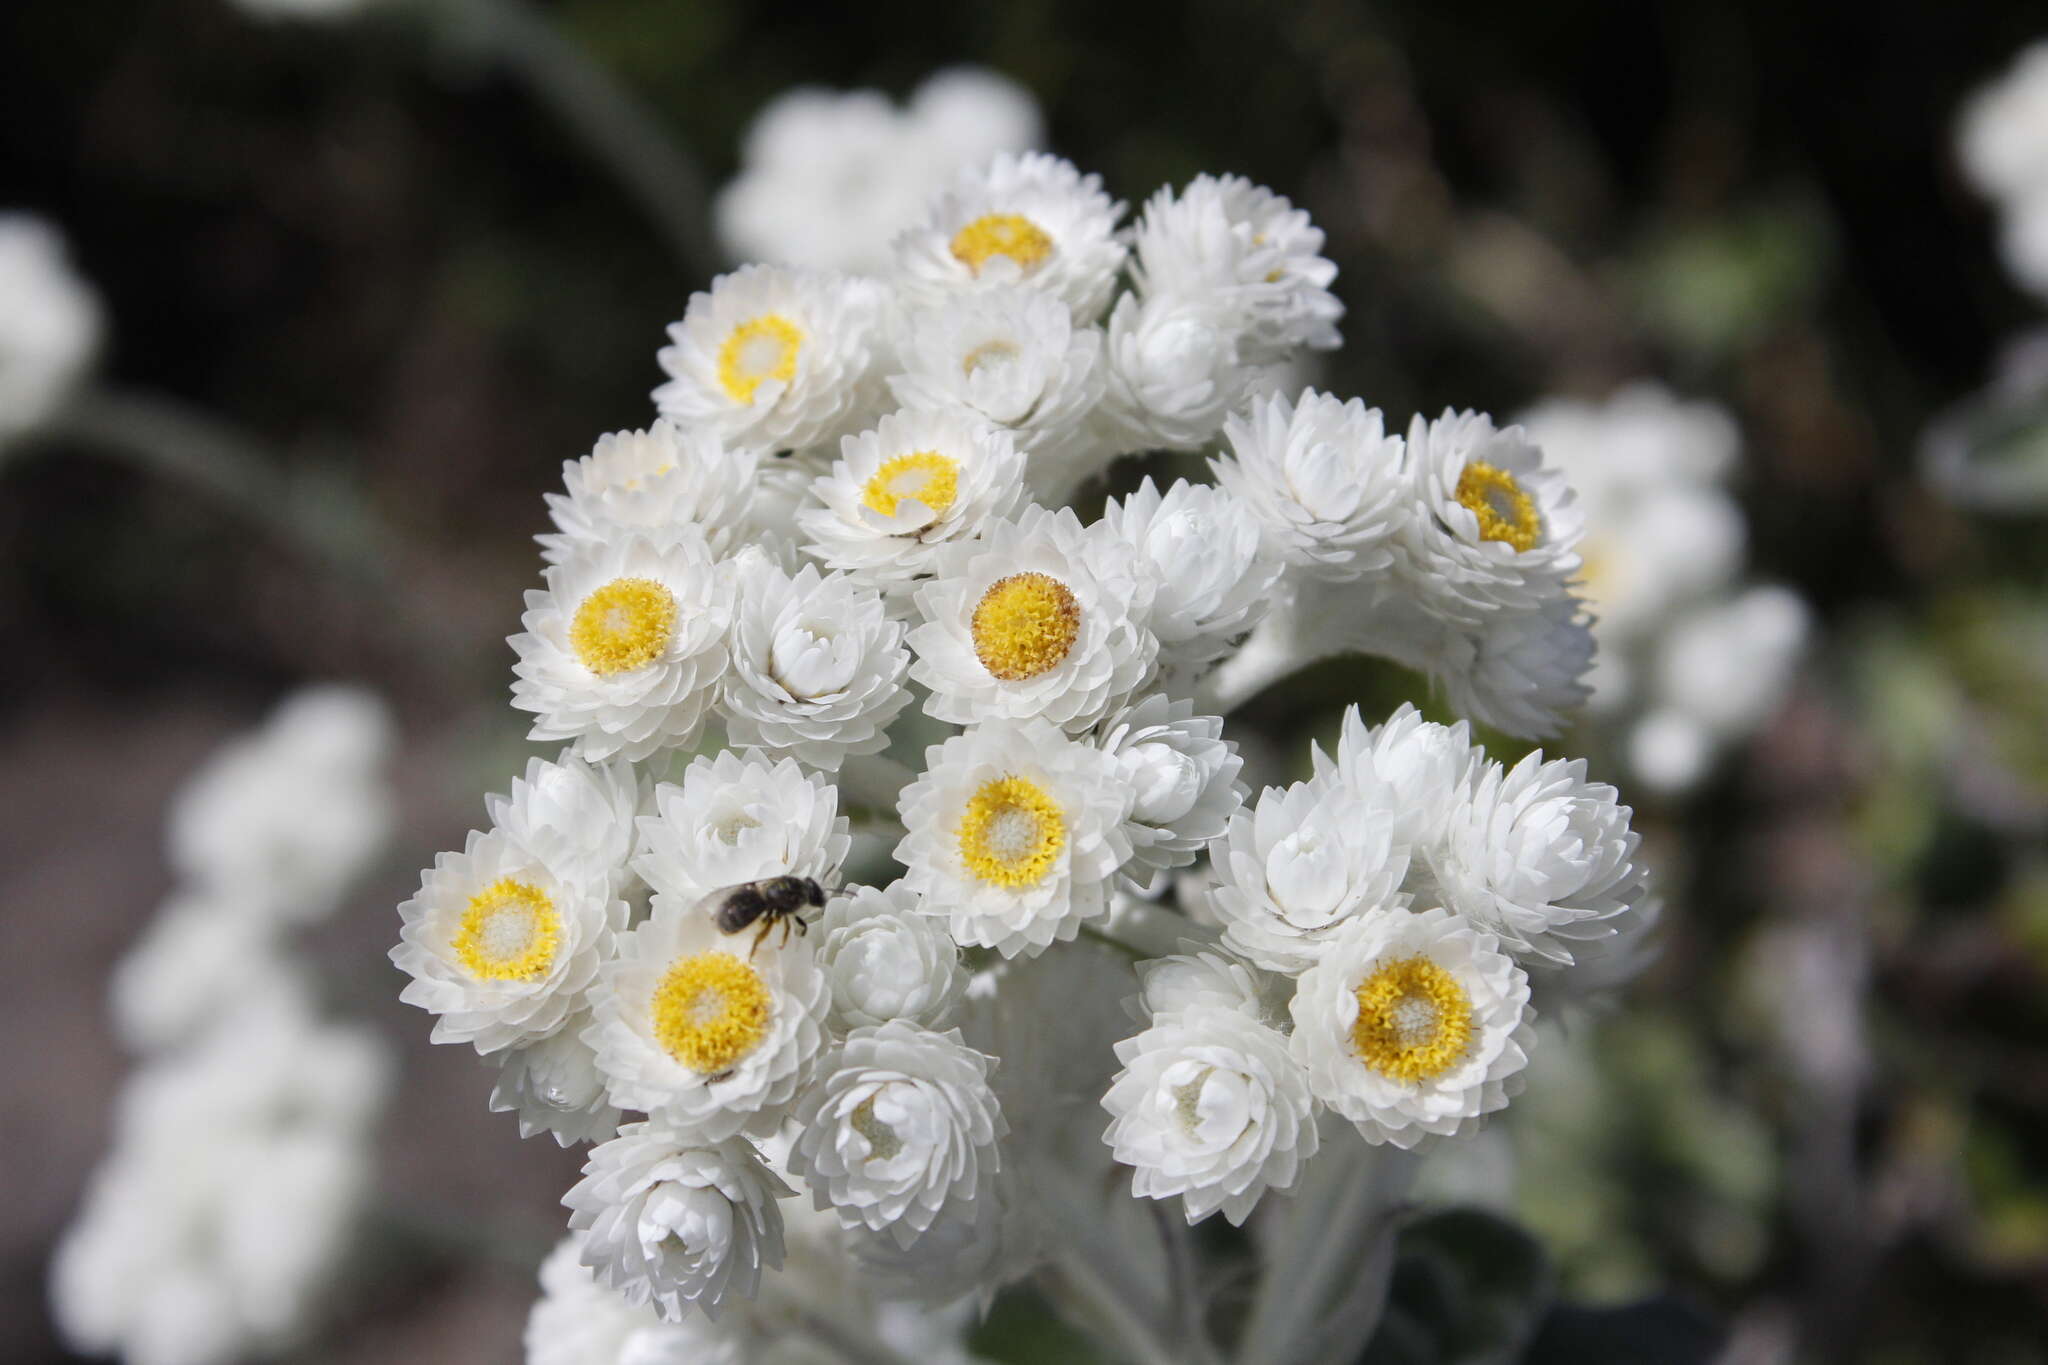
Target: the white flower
(554, 1087)
(828, 178)
(1174, 369)
(573, 815)
(1494, 525)
(1204, 980)
(1183, 777)
(1425, 765)
(712, 1033)
(1728, 664)
(623, 651)
(817, 664)
(973, 1246)
(500, 945)
(49, 324)
(735, 818)
(1011, 358)
(1041, 617)
(1522, 671)
(201, 952)
(1323, 478)
(1014, 834)
(2003, 132)
(1413, 1025)
(650, 482)
(1300, 865)
(669, 1220)
(900, 493)
(900, 1123)
(775, 358)
(287, 817)
(577, 1321)
(1224, 235)
(1028, 218)
(214, 1227)
(1540, 858)
(1211, 1107)
(1204, 549)
(888, 958)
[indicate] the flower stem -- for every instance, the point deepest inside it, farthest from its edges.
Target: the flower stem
(616, 127)
(1182, 1287)
(1348, 1232)
(1072, 1282)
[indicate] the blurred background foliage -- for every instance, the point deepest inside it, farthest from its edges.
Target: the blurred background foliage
(1819, 1128)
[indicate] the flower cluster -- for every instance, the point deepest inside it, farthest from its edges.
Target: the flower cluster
(240, 1161)
(926, 723)
(1690, 660)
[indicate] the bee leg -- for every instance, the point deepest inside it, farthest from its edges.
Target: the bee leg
(766, 925)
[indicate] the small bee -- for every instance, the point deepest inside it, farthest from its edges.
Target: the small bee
(772, 901)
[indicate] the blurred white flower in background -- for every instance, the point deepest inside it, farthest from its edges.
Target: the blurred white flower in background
(50, 323)
(828, 178)
(1664, 555)
(2002, 141)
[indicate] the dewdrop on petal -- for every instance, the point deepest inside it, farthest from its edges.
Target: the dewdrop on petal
(707, 1031)
(1027, 219)
(1297, 867)
(671, 1220)
(1324, 480)
(500, 945)
(1210, 1107)
(1413, 1026)
(1042, 617)
(817, 664)
(1014, 832)
(740, 817)
(900, 493)
(651, 482)
(888, 958)
(900, 1124)
(623, 650)
(777, 359)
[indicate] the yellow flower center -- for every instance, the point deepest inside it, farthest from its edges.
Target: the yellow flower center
(882, 1140)
(710, 1011)
(1505, 512)
(1001, 234)
(1011, 833)
(1414, 1021)
(509, 932)
(625, 624)
(756, 351)
(924, 476)
(988, 353)
(1024, 625)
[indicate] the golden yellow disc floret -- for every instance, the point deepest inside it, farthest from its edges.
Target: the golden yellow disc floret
(625, 624)
(1012, 832)
(1414, 1021)
(509, 932)
(1002, 234)
(1505, 512)
(710, 1010)
(1025, 625)
(756, 351)
(923, 475)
